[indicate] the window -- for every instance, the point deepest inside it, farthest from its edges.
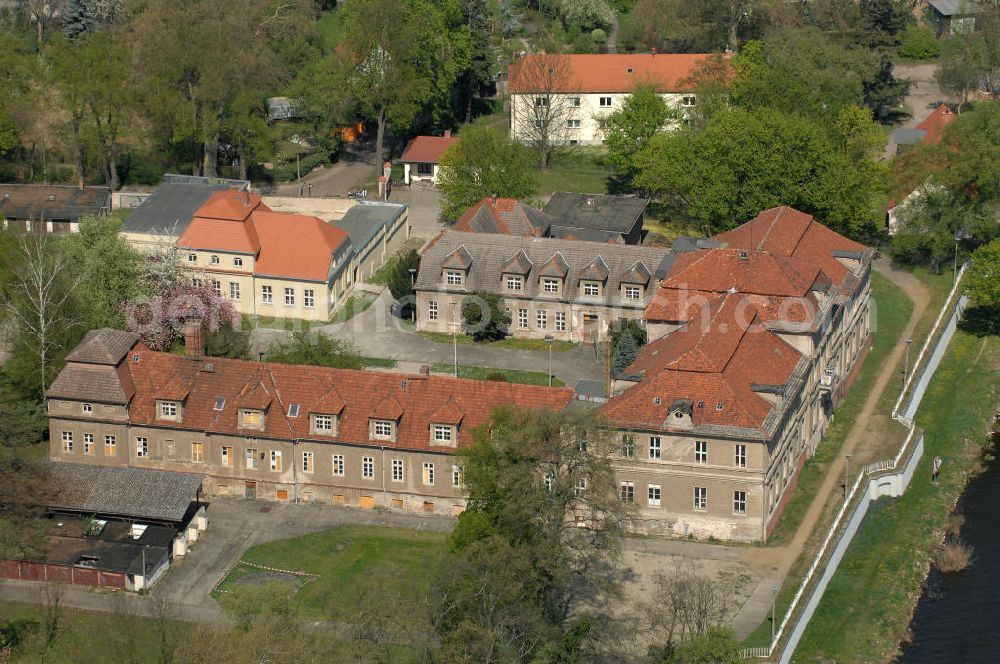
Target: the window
(307, 462)
(522, 319)
(226, 455)
(627, 492)
(88, 443)
(265, 295)
(442, 433)
(238, 262)
(251, 419)
(581, 486)
(198, 452)
(591, 288)
(456, 476)
(251, 458)
(323, 424)
(719, 405)
(574, 102)
(382, 428)
(604, 102)
(573, 124)
(549, 480)
(196, 282)
(425, 169)
(560, 321)
(542, 316)
(367, 467)
(550, 285)
(220, 403)
(628, 446)
(289, 297)
(141, 448)
(653, 495)
(428, 474)
(741, 456)
(700, 451)
(217, 287)
(338, 465)
(168, 409)
(234, 291)
(540, 123)
(276, 460)
(110, 446)
(700, 498)
(293, 410)
(541, 102)
(215, 260)
(633, 292)
(397, 470)
(192, 258)
(688, 101)
(654, 447)
(739, 502)
(87, 408)
(514, 283)
(432, 310)
(453, 278)
(309, 298)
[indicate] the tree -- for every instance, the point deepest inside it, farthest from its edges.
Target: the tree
(484, 162)
(400, 280)
(24, 487)
(540, 112)
(961, 67)
(159, 320)
(320, 350)
(478, 78)
(920, 44)
(932, 222)
(484, 316)
(983, 282)
(883, 21)
(716, 646)
(77, 18)
(627, 336)
(629, 129)
(587, 14)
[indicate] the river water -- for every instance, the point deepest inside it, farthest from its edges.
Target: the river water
(958, 616)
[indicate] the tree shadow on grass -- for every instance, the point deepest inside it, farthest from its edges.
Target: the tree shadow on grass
(981, 321)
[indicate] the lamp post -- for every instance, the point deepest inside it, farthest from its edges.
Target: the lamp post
(847, 473)
(906, 362)
(413, 282)
(549, 339)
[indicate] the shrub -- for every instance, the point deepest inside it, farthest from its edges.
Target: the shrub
(496, 377)
(920, 44)
(954, 527)
(953, 557)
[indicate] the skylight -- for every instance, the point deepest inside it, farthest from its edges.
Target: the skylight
(220, 403)
(293, 410)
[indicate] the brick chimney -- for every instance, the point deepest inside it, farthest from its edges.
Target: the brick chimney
(194, 337)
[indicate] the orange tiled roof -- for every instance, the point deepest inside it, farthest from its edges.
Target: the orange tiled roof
(295, 246)
(427, 149)
(613, 72)
(507, 216)
(758, 272)
(935, 124)
(230, 205)
(357, 395)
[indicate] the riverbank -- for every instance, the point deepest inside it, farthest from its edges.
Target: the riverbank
(866, 610)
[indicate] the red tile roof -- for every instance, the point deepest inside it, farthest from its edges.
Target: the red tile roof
(509, 216)
(295, 246)
(220, 235)
(746, 271)
(935, 124)
(230, 205)
(613, 72)
(415, 401)
(427, 149)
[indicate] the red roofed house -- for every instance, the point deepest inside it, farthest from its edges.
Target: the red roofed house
(928, 132)
(564, 97)
(273, 431)
(420, 159)
(753, 337)
(268, 263)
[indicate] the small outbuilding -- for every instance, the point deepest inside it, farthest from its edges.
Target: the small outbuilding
(51, 208)
(421, 157)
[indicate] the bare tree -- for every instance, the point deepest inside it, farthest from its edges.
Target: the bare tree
(39, 299)
(543, 103)
(52, 612)
(42, 13)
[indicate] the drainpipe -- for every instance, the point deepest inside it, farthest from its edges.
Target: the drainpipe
(385, 497)
(295, 475)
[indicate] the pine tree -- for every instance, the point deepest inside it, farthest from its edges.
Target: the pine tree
(78, 18)
(625, 351)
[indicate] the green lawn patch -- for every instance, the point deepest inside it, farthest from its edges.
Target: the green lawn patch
(513, 343)
(351, 562)
(354, 305)
(871, 596)
(502, 375)
(382, 362)
(575, 169)
(272, 323)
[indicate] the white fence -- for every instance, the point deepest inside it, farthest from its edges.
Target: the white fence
(889, 477)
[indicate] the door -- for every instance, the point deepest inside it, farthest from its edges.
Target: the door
(590, 322)
(250, 490)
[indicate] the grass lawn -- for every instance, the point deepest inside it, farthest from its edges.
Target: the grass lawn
(287, 324)
(105, 637)
(513, 343)
(487, 373)
(351, 561)
(872, 594)
(354, 305)
(575, 169)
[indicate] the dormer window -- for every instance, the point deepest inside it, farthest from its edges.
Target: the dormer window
(383, 429)
(550, 285)
(514, 283)
(632, 292)
(323, 425)
(87, 408)
(167, 410)
(443, 434)
(453, 277)
(719, 406)
(251, 418)
(591, 288)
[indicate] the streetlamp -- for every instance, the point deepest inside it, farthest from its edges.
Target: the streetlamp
(774, 597)
(906, 362)
(549, 339)
(413, 282)
(847, 472)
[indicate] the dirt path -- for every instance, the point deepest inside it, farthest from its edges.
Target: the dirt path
(775, 563)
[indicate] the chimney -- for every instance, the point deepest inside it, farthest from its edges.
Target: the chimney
(447, 133)
(494, 200)
(194, 337)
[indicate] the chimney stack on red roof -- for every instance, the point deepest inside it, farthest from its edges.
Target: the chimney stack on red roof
(494, 203)
(194, 337)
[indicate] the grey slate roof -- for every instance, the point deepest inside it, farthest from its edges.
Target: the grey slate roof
(103, 346)
(169, 209)
(100, 384)
(906, 136)
(586, 234)
(491, 253)
(131, 492)
(52, 202)
(363, 221)
(596, 211)
(955, 7)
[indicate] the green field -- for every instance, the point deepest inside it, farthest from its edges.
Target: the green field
(575, 169)
(354, 305)
(513, 343)
(349, 563)
(487, 373)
